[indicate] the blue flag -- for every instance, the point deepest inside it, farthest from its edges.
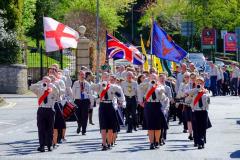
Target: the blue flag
(164, 47)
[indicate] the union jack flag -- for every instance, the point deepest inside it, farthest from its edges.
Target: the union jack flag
(118, 50)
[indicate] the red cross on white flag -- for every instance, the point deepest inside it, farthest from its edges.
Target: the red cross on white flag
(58, 36)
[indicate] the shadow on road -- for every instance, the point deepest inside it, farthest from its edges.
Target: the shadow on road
(24, 147)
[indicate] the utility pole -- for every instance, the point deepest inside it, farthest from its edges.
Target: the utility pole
(98, 47)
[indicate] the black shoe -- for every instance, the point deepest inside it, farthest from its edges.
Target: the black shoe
(156, 145)
(152, 146)
(184, 131)
(135, 129)
(200, 147)
(195, 145)
(104, 148)
(190, 137)
(78, 130)
(179, 123)
(163, 142)
(129, 131)
(91, 123)
(41, 149)
(84, 133)
(108, 146)
(49, 148)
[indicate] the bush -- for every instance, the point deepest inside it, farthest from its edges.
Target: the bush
(9, 45)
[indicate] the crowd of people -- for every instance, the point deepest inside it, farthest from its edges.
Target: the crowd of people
(138, 100)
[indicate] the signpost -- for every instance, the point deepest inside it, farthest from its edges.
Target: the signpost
(208, 38)
(237, 31)
(187, 30)
(230, 41)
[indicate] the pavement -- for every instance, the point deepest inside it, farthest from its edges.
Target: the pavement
(19, 140)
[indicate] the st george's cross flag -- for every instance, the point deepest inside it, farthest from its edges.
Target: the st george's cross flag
(58, 36)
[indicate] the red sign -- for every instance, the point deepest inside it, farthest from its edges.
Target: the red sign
(208, 36)
(230, 41)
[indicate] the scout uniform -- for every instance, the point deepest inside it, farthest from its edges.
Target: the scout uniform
(45, 114)
(130, 92)
(81, 94)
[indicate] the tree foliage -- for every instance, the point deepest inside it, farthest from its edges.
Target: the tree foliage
(9, 45)
(220, 14)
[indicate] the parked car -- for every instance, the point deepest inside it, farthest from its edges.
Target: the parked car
(198, 59)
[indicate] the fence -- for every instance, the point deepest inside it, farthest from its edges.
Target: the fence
(39, 62)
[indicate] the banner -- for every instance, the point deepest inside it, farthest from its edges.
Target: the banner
(230, 42)
(208, 38)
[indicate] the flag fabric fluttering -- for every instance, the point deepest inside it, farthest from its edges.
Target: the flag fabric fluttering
(164, 47)
(145, 65)
(157, 64)
(118, 50)
(58, 36)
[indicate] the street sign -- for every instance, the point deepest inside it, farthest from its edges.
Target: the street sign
(208, 38)
(223, 32)
(187, 29)
(230, 41)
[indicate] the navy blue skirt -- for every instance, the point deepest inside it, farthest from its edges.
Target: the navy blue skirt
(107, 117)
(59, 120)
(154, 118)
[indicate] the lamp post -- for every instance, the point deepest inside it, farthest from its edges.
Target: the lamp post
(212, 52)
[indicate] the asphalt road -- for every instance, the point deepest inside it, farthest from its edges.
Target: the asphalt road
(19, 140)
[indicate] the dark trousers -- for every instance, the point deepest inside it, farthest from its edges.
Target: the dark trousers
(213, 87)
(45, 123)
(194, 127)
(180, 113)
(131, 109)
(173, 111)
(219, 87)
(82, 113)
(234, 86)
(201, 118)
(140, 115)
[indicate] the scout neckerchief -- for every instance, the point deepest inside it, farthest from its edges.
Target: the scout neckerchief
(102, 94)
(150, 92)
(45, 94)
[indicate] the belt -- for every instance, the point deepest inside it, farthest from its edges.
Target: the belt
(45, 106)
(153, 101)
(82, 99)
(130, 97)
(107, 101)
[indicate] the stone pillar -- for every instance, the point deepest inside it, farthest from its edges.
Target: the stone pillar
(82, 55)
(13, 79)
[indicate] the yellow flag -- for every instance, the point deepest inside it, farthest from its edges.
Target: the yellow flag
(157, 64)
(174, 66)
(145, 65)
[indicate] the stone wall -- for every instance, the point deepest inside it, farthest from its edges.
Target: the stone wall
(13, 79)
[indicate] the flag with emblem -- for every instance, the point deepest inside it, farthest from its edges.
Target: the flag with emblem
(58, 36)
(164, 47)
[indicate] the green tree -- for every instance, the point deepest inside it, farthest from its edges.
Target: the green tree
(12, 30)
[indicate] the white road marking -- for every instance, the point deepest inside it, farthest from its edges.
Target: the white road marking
(9, 105)
(8, 123)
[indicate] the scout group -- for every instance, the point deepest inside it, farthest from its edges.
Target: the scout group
(137, 100)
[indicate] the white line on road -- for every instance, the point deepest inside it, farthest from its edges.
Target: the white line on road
(10, 105)
(8, 123)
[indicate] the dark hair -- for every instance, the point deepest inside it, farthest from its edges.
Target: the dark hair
(139, 79)
(88, 74)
